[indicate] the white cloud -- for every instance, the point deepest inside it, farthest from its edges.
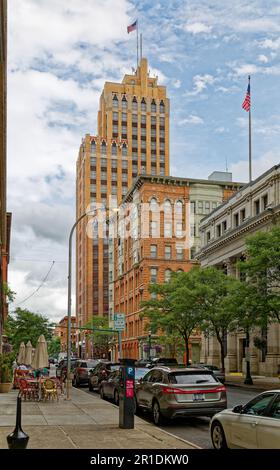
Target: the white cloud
(262, 58)
(259, 166)
(196, 28)
(270, 44)
(221, 130)
(177, 83)
(200, 82)
(192, 119)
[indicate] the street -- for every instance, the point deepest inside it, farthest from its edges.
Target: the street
(196, 430)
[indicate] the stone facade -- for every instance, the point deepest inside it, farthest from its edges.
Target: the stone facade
(253, 208)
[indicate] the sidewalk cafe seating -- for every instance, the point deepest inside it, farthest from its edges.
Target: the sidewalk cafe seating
(27, 390)
(19, 374)
(59, 383)
(49, 388)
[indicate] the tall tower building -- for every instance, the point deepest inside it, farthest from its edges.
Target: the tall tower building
(132, 139)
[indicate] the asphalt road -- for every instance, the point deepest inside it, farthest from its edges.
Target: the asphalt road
(196, 430)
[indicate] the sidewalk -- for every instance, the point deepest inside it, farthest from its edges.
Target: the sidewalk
(85, 422)
(260, 383)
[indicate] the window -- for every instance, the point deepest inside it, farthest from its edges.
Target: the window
(242, 215)
(179, 207)
(167, 275)
(153, 272)
(114, 148)
(115, 116)
(153, 120)
(153, 204)
(193, 230)
(264, 202)
(224, 226)
(134, 104)
(236, 219)
(179, 229)
(93, 147)
(207, 206)
(124, 149)
(143, 118)
(143, 105)
(154, 228)
(124, 116)
(124, 102)
(192, 252)
(162, 121)
(208, 236)
(167, 252)
(192, 207)
(153, 249)
(258, 405)
(218, 230)
(275, 409)
(257, 207)
(179, 252)
(214, 205)
(114, 163)
(153, 132)
(161, 107)
(103, 148)
(134, 118)
(168, 229)
(153, 107)
(200, 207)
(115, 101)
(167, 207)
(124, 164)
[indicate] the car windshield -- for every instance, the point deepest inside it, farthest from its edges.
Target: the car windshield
(91, 364)
(114, 366)
(187, 379)
(140, 372)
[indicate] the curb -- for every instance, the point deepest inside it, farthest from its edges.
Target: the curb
(247, 387)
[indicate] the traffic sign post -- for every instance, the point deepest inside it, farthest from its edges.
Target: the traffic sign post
(119, 326)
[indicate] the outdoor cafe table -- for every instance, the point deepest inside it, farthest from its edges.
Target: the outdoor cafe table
(38, 383)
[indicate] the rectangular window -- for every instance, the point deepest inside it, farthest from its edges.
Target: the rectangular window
(154, 228)
(162, 121)
(124, 164)
(224, 226)
(218, 230)
(114, 163)
(153, 120)
(153, 249)
(168, 229)
(143, 106)
(200, 207)
(179, 252)
(193, 230)
(167, 252)
(242, 215)
(124, 116)
(208, 236)
(207, 206)
(115, 116)
(179, 229)
(236, 220)
(162, 171)
(214, 205)
(153, 272)
(143, 119)
(192, 207)
(264, 202)
(153, 132)
(134, 118)
(257, 207)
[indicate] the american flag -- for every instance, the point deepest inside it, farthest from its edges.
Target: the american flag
(132, 27)
(247, 101)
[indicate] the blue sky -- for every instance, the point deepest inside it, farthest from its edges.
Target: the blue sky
(60, 54)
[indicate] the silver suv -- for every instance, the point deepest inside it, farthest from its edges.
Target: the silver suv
(174, 392)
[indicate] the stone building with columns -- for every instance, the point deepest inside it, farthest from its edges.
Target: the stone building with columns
(255, 207)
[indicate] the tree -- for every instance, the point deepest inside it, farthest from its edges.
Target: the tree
(173, 310)
(54, 346)
(210, 289)
(100, 339)
(26, 325)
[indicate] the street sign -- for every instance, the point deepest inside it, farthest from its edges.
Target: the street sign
(119, 321)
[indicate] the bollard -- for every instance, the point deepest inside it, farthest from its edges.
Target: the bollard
(18, 439)
(126, 395)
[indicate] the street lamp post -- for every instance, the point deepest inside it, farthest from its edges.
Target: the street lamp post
(68, 380)
(248, 379)
(150, 336)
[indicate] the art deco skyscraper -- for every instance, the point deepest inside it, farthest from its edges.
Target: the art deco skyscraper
(132, 139)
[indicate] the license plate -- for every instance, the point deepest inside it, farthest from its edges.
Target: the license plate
(198, 397)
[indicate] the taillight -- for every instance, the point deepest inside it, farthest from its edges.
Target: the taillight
(179, 391)
(80, 370)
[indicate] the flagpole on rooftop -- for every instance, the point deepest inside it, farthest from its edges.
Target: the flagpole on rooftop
(250, 138)
(137, 44)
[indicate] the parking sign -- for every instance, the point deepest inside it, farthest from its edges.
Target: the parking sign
(119, 321)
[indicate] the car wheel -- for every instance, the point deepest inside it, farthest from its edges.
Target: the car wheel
(218, 436)
(102, 396)
(90, 386)
(116, 398)
(156, 413)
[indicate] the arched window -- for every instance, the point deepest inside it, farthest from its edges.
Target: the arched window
(180, 270)
(124, 102)
(134, 104)
(115, 101)
(179, 207)
(124, 149)
(167, 207)
(143, 105)
(153, 106)
(153, 204)
(167, 275)
(93, 147)
(161, 107)
(103, 147)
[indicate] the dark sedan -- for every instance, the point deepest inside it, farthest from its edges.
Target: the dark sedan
(81, 371)
(110, 387)
(219, 374)
(99, 373)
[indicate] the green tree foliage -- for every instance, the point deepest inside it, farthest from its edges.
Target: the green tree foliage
(174, 310)
(100, 339)
(25, 325)
(211, 289)
(261, 270)
(54, 346)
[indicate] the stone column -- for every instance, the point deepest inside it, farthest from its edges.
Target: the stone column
(254, 353)
(231, 357)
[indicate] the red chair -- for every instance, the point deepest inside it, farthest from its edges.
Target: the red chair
(18, 374)
(26, 389)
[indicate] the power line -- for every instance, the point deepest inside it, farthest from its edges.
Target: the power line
(45, 278)
(36, 260)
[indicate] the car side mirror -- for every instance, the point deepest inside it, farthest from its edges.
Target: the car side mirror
(237, 409)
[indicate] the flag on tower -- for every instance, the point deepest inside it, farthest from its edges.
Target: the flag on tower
(132, 27)
(247, 101)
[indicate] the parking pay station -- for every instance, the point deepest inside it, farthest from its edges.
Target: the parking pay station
(126, 393)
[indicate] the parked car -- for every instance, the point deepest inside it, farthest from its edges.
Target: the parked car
(166, 361)
(109, 387)
(255, 425)
(174, 392)
(99, 373)
(61, 370)
(216, 370)
(81, 371)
